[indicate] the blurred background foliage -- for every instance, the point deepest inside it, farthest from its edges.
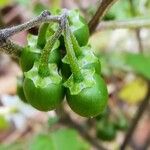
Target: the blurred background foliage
(125, 60)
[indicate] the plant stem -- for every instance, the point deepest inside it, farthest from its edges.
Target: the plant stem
(78, 77)
(43, 67)
(101, 11)
(76, 46)
(43, 17)
(11, 48)
(42, 35)
(129, 24)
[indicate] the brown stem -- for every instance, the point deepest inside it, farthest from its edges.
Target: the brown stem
(139, 40)
(136, 119)
(137, 31)
(10, 48)
(101, 11)
(15, 50)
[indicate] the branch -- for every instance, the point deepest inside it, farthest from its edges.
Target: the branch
(43, 17)
(136, 119)
(130, 24)
(101, 11)
(15, 50)
(11, 48)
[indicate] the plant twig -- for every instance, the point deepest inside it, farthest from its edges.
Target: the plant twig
(136, 119)
(43, 17)
(101, 11)
(129, 24)
(11, 48)
(139, 40)
(15, 50)
(137, 31)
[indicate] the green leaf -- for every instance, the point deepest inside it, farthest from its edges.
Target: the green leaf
(63, 139)
(42, 142)
(4, 124)
(38, 8)
(120, 10)
(68, 139)
(139, 63)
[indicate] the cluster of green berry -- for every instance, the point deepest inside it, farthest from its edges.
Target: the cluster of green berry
(59, 63)
(109, 124)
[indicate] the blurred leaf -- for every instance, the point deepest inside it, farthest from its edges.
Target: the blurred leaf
(14, 146)
(123, 10)
(3, 3)
(4, 124)
(139, 63)
(42, 142)
(113, 61)
(23, 2)
(55, 4)
(124, 61)
(120, 10)
(38, 8)
(63, 139)
(134, 92)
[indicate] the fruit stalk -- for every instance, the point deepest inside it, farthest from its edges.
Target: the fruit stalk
(71, 55)
(43, 67)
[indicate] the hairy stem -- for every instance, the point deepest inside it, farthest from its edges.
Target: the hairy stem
(71, 55)
(11, 48)
(76, 46)
(15, 50)
(43, 68)
(43, 17)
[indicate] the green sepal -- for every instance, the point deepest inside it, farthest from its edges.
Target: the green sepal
(32, 43)
(74, 18)
(65, 60)
(77, 87)
(39, 81)
(86, 58)
(32, 40)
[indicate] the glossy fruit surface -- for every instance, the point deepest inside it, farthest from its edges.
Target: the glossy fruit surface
(43, 93)
(20, 91)
(31, 53)
(79, 27)
(28, 58)
(106, 130)
(90, 101)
